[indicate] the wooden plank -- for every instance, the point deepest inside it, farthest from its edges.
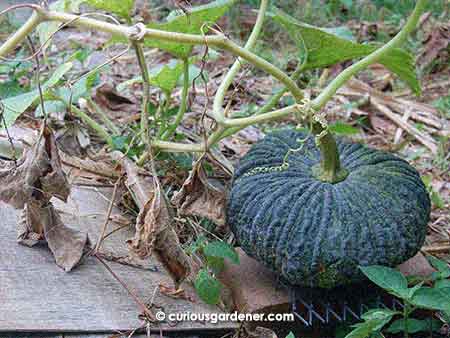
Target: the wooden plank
(109, 335)
(37, 296)
(170, 335)
(32, 335)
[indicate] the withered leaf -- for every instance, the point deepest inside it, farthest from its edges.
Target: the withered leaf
(154, 231)
(108, 96)
(153, 219)
(437, 41)
(380, 124)
(29, 184)
(44, 223)
(201, 196)
(73, 139)
(37, 174)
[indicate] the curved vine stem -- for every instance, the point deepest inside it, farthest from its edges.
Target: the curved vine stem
(145, 94)
(218, 113)
(220, 41)
(183, 104)
(21, 34)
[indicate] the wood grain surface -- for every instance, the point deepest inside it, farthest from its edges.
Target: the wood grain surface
(37, 296)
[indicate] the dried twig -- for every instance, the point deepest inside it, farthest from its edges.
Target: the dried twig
(146, 311)
(399, 131)
(108, 215)
(426, 140)
(437, 249)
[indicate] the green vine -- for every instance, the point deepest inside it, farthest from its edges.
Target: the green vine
(330, 169)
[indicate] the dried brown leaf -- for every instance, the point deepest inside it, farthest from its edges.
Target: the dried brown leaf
(38, 174)
(437, 41)
(73, 140)
(30, 230)
(86, 167)
(154, 231)
(381, 125)
(153, 219)
(109, 97)
(29, 184)
(201, 196)
(66, 244)
(262, 332)
(174, 293)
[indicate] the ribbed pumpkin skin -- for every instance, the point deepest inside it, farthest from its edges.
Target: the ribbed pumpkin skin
(314, 233)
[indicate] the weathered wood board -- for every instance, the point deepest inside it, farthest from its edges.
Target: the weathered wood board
(38, 296)
(110, 335)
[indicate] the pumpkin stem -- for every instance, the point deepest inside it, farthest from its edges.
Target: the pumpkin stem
(329, 169)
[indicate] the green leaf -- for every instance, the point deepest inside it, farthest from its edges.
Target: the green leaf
(322, 47)
(343, 32)
(81, 55)
(347, 3)
(208, 288)
(10, 88)
(191, 23)
(343, 129)
(413, 290)
(364, 330)
(221, 249)
(81, 88)
(15, 106)
(442, 283)
(166, 76)
(216, 264)
(198, 244)
(427, 179)
(51, 106)
(120, 142)
(402, 63)
(379, 314)
(446, 316)
(437, 200)
(389, 279)
(441, 266)
(73, 5)
(432, 298)
(412, 325)
(122, 8)
(383, 316)
(290, 335)
(124, 144)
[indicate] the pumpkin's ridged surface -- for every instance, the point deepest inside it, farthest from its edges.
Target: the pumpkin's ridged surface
(315, 233)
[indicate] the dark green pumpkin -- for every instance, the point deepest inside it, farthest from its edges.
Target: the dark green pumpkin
(314, 233)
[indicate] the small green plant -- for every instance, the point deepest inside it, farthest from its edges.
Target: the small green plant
(436, 198)
(207, 285)
(430, 293)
